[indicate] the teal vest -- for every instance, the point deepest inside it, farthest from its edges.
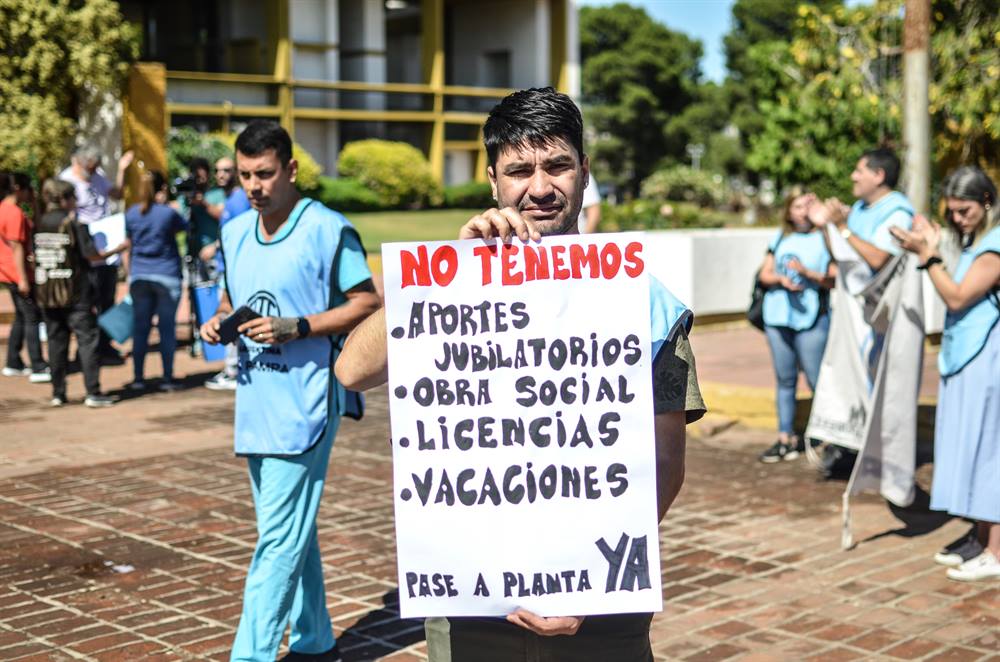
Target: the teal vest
(865, 220)
(966, 331)
(796, 310)
(287, 398)
(666, 315)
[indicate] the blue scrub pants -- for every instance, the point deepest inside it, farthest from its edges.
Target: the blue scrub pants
(285, 580)
(791, 351)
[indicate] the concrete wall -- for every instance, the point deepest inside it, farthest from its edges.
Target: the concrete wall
(314, 27)
(518, 26)
(712, 270)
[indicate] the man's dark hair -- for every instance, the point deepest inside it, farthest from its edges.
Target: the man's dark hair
(884, 159)
(6, 183)
(198, 163)
(537, 118)
(21, 180)
(262, 135)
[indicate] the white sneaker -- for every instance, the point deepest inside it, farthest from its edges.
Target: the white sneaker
(221, 382)
(984, 566)
(14, 372)
(98, 401)
(42, 377)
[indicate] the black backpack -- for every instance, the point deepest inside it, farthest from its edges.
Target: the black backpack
(60, 269)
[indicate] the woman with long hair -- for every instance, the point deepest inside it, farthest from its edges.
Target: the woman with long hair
(967, 428)
(154, 276)
(797, 271)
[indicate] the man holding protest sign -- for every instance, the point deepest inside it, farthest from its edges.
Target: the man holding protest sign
(297, 277)
(538, 172)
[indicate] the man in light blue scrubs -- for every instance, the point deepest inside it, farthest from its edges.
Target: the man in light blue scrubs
(301, 268)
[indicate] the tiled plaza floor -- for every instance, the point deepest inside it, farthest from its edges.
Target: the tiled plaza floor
(144, 557)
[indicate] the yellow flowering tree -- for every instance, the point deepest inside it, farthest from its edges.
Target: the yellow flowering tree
(55, 54)
(840, 87)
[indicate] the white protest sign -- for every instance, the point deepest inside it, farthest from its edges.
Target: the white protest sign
(108, 232)
(520, 386)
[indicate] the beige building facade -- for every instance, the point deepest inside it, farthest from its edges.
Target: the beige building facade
(332, 71)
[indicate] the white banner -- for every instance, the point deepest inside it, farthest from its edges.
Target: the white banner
(522, 426)
(108, 232)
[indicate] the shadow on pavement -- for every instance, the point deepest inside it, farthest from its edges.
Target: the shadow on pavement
(917, 518)
(186, 383)
(380, 632)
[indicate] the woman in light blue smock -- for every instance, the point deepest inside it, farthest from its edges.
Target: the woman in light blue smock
(798, 272)
(967, 431)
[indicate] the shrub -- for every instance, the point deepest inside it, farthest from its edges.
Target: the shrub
(684, 184)
(471, 195)
(396, 172)
(345, 195)
(643, 214)
(185, 143)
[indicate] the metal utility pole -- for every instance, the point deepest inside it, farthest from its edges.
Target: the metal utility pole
(916, 116)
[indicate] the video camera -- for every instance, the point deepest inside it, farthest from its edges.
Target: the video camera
(189, 188)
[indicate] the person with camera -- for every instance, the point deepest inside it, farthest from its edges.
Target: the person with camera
(202, 205)
(289, 262)
(237, 202)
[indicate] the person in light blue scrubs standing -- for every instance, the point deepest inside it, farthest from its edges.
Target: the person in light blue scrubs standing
(967, 429)
(799, 272)
(301, 267)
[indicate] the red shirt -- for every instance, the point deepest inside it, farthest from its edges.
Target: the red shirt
(13, 228)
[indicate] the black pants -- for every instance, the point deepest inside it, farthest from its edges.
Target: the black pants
(23, 331)
(103, 284)
(83, 323)
(615, 638)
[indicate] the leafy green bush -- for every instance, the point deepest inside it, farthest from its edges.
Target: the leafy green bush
(396, 172)
(471, 195)
(185, 143)
(345, 195)
(643, 214)
(683, 184)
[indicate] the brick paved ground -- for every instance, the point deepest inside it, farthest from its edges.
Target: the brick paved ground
(752, 568)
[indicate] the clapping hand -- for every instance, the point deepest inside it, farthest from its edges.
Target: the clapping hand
(923, 239)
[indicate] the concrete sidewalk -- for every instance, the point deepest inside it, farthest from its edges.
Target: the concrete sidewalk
(126, 535)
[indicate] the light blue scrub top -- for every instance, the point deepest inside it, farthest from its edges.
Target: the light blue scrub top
(872, 222)
(796, 310)
(966, 331)
(287, 398)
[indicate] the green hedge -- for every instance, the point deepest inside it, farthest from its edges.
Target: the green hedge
(683, 184)
(346, 195)
(398, 173)
(471, 195)
(656, 215)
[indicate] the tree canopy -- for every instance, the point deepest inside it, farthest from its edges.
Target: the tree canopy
(54, 55)
(637, 76)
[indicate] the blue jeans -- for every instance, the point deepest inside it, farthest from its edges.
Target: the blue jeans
(285, 580)
(154, 298)
(792, 351)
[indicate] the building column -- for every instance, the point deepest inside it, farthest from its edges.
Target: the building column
(144, 125)
(558, 44)
(283, 64)
(432, 53)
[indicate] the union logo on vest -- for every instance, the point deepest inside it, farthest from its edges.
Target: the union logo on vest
(264, 303)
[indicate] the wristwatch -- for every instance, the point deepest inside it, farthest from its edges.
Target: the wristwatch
(303, 327)
(845, 232)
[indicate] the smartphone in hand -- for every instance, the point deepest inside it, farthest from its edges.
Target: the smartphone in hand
(228, 327)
